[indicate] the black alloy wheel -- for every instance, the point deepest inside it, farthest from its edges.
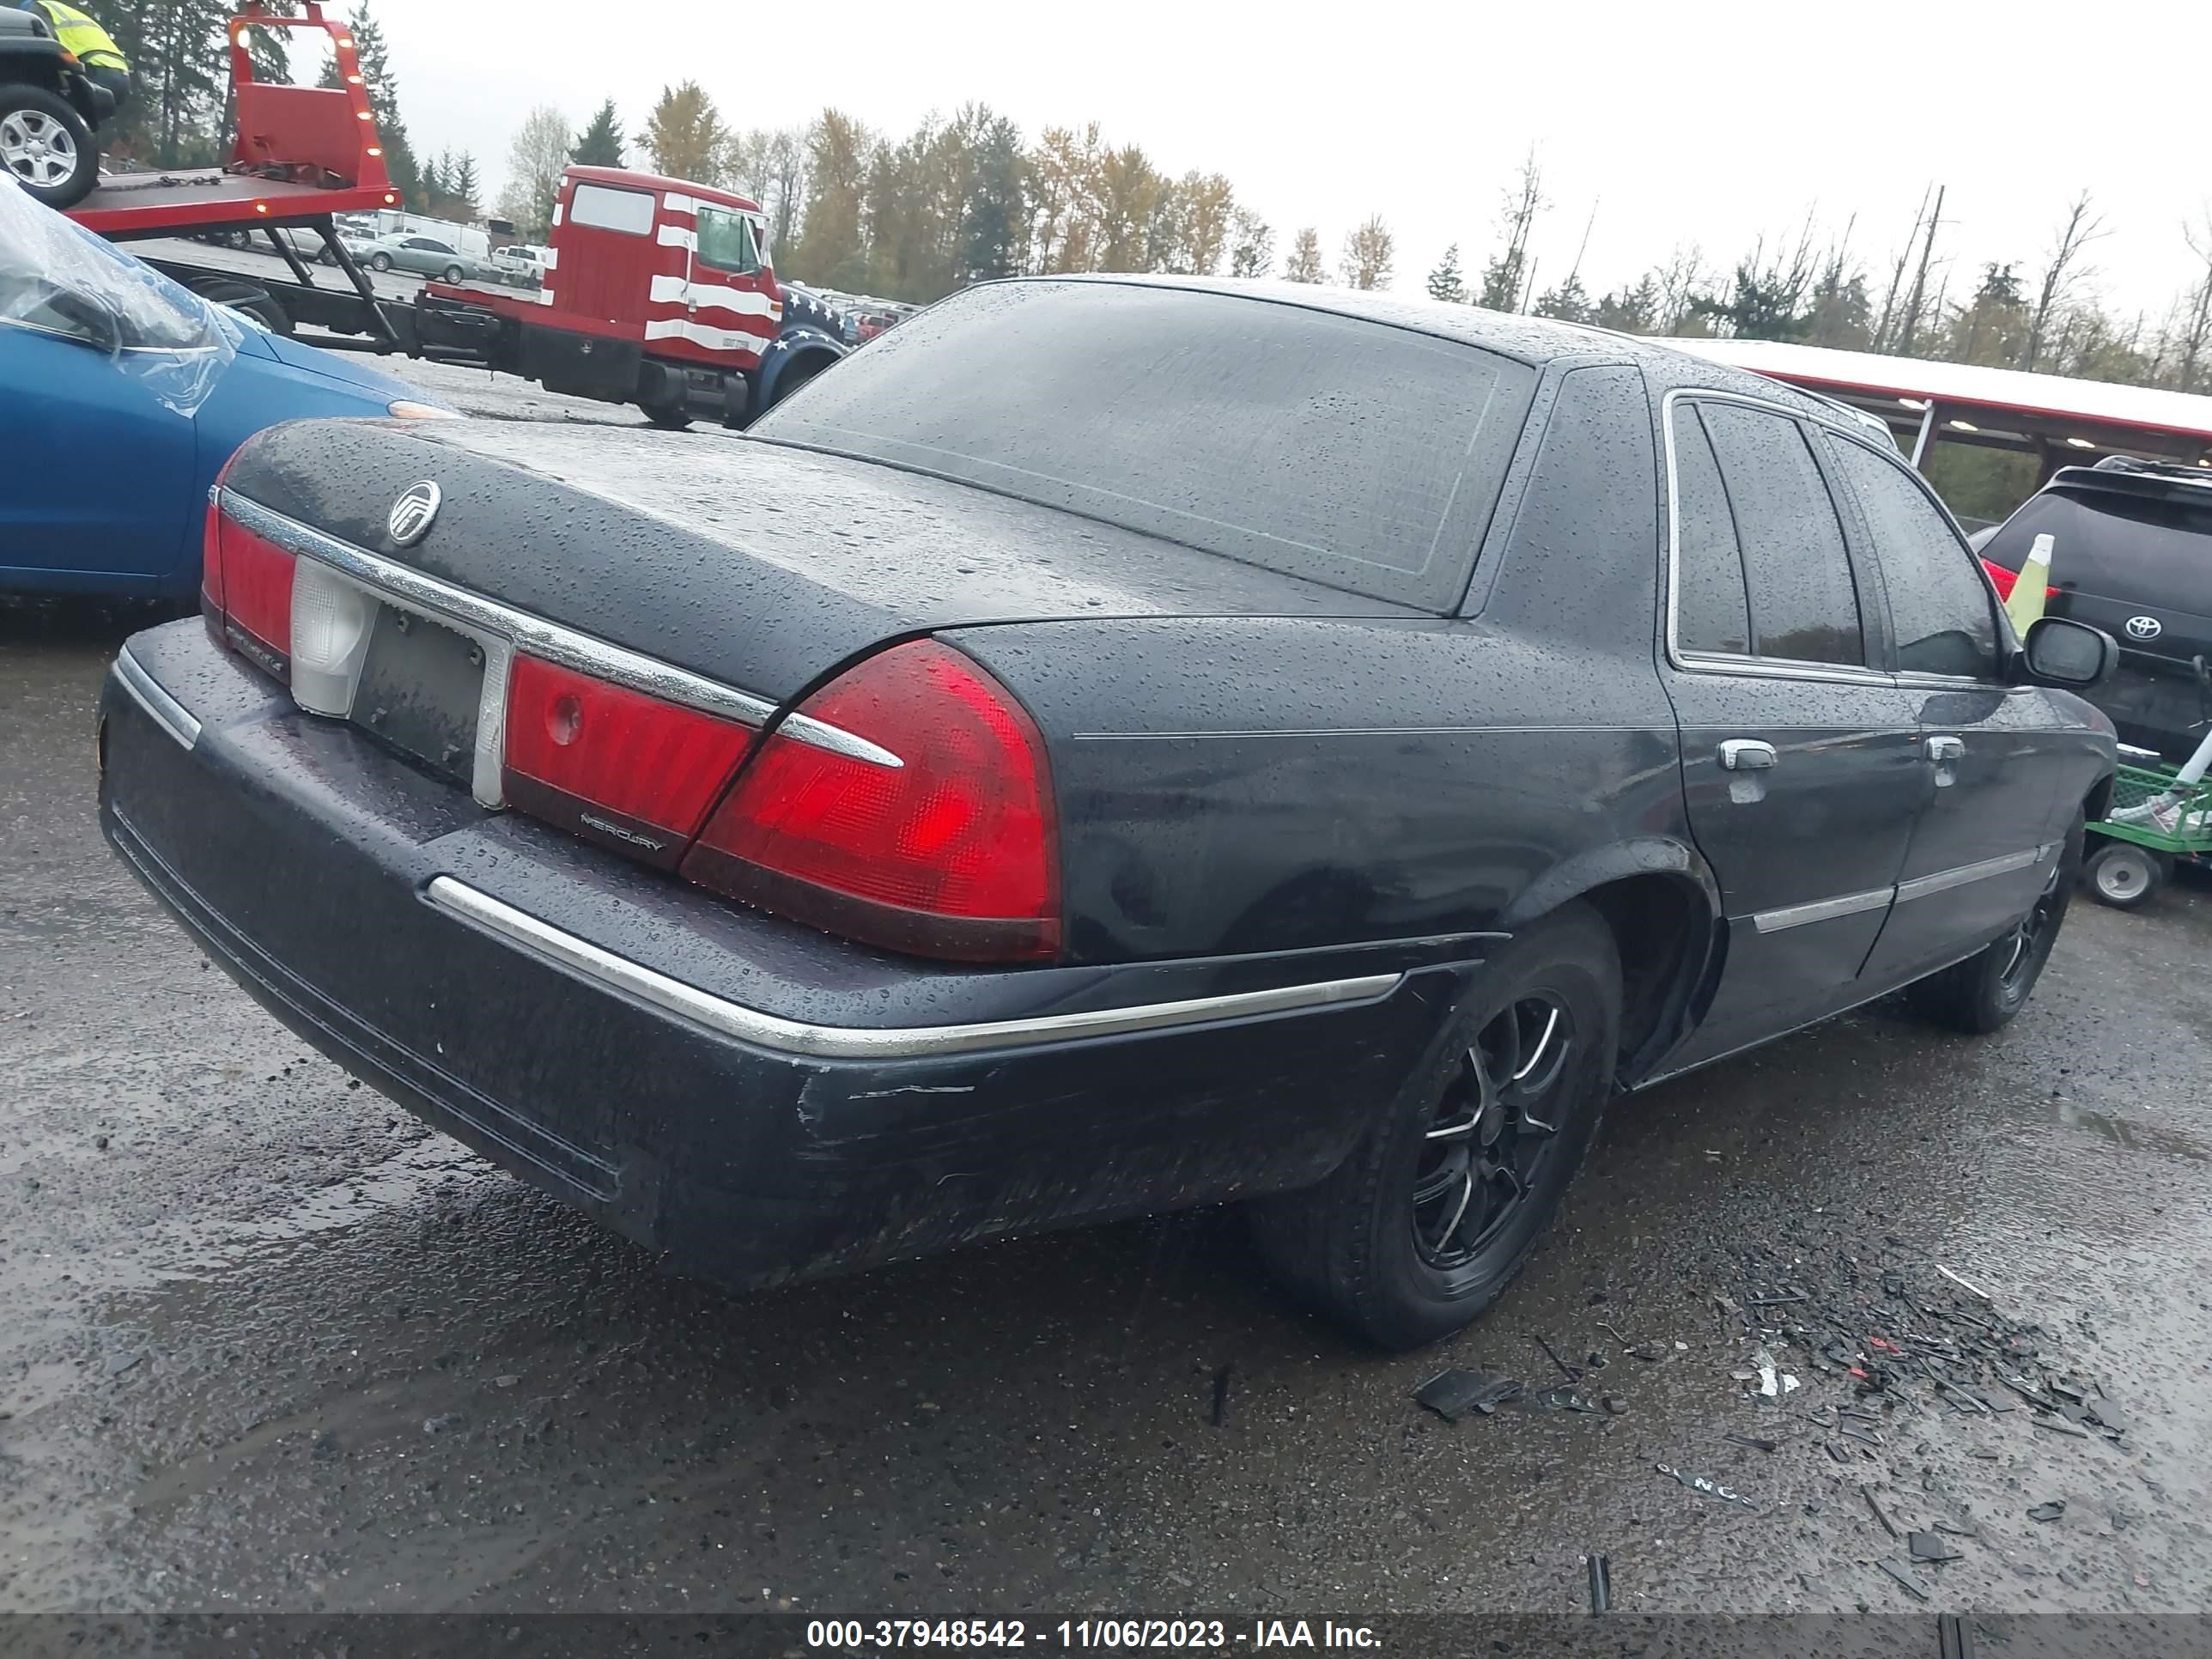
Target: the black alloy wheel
(1493, 1131)
(1439, 1204)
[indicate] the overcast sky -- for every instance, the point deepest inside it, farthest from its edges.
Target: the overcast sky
(1693, 121)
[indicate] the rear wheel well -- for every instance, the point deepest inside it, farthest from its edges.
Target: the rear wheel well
(2098, 801)
(1662, 926)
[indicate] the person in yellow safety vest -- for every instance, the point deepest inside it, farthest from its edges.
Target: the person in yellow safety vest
(94, 48)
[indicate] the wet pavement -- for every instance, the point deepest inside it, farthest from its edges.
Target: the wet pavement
(267, 1343)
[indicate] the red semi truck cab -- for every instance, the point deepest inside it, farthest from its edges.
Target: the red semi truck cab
(657, 291)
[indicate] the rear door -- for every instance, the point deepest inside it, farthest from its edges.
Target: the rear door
(1987, 839)
(1800, 757)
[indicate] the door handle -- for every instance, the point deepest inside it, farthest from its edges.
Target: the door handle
(1945, 749)
(1746, 754)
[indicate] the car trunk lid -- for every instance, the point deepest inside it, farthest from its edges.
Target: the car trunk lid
(758, 566)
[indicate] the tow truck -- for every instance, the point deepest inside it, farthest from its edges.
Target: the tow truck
(656, 291)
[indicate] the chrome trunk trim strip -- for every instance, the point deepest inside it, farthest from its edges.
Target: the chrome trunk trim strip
(474, 614)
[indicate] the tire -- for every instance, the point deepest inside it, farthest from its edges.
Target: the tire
(379, 262)
(455, 273)
(46, 145)
(792, 382)
(1550, 1001)
(669, 417)
(2124, 875)
(1984, 993)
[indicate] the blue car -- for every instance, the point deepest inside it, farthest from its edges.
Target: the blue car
(121, 396)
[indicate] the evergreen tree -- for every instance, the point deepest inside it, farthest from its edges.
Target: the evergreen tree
(1568, 301)
(1633, 310)
(1253, 250)
(1305, 264)
(1445, 282)
(993, 228)
(600, 144)
(463, 192)
(368, 46)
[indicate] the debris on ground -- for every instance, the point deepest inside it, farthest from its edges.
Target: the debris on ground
(1928, 1547)
(1912, 1586)
(1570, 1372)
(1452, 1394)
(1565, 1399)
(1752, 1441)
(1708, 1486)
(1601, 1584)
(1928, 1340)
(1887, 1525)
(1221, 1396)
(1967, 1286)
(2049, 1511)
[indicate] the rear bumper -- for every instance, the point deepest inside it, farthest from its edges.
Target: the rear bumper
(760, 1100)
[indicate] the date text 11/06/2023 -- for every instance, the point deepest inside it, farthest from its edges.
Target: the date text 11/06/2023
(855, 1634)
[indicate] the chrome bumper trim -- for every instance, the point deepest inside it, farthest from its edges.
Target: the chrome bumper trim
(164, 710)
(886, 1042)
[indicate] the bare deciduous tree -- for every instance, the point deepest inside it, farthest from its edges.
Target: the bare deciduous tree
(2064, 272)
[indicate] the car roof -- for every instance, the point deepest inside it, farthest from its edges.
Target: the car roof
(1537, 341)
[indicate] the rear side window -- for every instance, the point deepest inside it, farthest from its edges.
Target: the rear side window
(2140, 550)
(1939, 606)
(1804, 605)
(1329, 447)
(1712, 606)
(605, 208)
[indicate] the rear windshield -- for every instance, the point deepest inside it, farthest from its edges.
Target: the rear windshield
(1350, 452)
(2137, 549)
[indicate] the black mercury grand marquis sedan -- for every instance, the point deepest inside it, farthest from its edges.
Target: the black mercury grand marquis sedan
(1112, 746)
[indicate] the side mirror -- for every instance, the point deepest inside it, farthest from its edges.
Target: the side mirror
(90, 319)
(2062, 652)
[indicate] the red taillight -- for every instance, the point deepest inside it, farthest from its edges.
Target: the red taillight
(950, 853)
(246, 590)
(2005, 581)
(616, 764)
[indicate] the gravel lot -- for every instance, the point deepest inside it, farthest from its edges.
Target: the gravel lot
(269, 1344)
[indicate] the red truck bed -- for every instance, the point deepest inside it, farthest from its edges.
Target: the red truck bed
(166, 204)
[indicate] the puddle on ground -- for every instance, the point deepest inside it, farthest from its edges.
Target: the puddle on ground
(2131, 1132)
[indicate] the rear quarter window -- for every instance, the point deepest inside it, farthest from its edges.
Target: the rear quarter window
(1329, 447)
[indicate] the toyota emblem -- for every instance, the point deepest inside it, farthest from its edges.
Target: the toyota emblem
(2145, 628)
(412, 514)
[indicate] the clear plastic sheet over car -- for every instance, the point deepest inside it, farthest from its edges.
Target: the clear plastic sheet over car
(60, 278)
